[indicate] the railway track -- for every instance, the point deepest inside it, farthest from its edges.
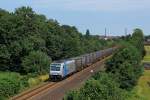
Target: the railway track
(28, 94)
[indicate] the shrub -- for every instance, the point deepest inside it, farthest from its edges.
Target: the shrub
(24, 82)
(10, 84)
(33, 81)
(101, 87)
(36, 62)
(43, 78)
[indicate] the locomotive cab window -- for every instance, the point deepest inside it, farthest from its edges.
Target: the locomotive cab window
(55, 67)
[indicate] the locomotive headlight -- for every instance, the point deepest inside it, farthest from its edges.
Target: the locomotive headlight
(55, 73)
(91, 71)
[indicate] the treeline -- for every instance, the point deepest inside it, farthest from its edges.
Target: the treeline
(122, 73)
(29, 41)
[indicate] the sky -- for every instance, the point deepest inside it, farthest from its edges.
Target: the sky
(95, 15)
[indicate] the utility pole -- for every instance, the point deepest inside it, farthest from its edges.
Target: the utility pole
(126, 31)
(105, 32)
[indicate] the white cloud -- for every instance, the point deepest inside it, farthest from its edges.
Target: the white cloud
(93, 5)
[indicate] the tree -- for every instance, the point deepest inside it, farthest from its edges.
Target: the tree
(124, 65)
(138, 40)
(36, 62)
(24, 31)
(87, 32)
(4, 57)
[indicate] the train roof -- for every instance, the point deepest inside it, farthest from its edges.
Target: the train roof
(62, 61)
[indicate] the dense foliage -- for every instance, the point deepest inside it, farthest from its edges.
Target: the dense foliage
(10, 84)
(36, 62)
(137, 40)
(23, 32)
(100, 87)
(125, 65)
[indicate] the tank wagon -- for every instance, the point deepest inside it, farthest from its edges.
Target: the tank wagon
(63, 68)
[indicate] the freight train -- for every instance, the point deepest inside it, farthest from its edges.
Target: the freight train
(63, 68)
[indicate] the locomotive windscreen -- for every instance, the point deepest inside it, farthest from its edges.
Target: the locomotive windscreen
(55, 67)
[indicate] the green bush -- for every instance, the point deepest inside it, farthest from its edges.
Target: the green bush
(36, 62)
(24, 82)
(10, 84)
(101, 87)
(125, 66)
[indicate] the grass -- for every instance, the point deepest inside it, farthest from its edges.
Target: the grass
(37, 80)
(142, 90)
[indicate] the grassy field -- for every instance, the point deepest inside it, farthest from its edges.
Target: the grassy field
(142, 90)
(147, 57)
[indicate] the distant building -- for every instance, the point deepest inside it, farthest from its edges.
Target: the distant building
(107, 37)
